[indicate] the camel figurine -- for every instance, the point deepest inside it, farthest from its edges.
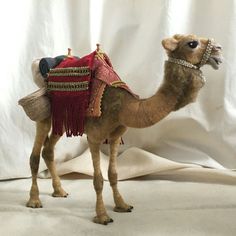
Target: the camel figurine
(182, 81)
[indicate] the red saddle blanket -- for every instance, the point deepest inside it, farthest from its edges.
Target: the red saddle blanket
(76, 87)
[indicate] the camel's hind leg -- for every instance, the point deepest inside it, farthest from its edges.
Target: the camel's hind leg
(48, 156)
(115, 139)
(42, 130)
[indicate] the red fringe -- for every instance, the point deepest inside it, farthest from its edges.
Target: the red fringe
(68, 113)
(69, 107)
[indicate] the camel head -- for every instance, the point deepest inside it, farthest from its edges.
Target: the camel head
(194, 50)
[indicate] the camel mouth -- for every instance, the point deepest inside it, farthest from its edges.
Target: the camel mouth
(215, 61)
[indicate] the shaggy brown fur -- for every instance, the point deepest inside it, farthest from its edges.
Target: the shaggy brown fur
(119, 111)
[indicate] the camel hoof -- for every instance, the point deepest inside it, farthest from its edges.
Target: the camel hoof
(124, 209)
(104, 219)
(60, 193)
(34, 203)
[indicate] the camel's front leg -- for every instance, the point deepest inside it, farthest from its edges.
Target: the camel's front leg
(120, 205)
(42, 129)
(48, 156)
(102, 216)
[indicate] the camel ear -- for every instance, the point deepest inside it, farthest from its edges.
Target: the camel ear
(170, 44)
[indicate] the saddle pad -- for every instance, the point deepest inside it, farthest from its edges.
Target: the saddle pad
(103, 75)
(68, 87)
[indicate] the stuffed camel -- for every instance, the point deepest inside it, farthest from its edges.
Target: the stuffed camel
(120, 109)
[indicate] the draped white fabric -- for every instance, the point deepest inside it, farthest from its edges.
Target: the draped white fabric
(130, 32)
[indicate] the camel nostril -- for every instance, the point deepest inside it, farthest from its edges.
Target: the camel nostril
(218, 47)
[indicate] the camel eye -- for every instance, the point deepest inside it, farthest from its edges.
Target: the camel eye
(193, 44)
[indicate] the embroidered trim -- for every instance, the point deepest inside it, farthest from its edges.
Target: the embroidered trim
(68, 86)
(117, 83)
(70, 71)
(69, 74)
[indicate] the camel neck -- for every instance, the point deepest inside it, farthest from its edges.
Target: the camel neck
(180, 86)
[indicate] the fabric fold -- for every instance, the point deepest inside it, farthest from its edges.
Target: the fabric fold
(135, 162)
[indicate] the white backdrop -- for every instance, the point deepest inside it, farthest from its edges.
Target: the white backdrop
(130, 32)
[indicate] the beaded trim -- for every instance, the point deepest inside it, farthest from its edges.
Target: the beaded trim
(188, 65)
(70, 71)
(68, 86)
(207, 53)
(182, 63)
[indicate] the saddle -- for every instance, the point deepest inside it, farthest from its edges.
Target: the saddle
(75, 88)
